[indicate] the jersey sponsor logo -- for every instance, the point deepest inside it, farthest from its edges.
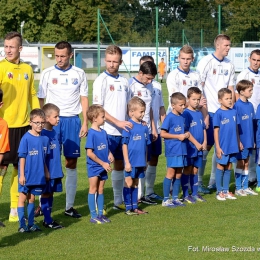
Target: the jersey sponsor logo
(225, 72)
(214, 71)
(234, 118)
(177, 129)
(54, 81)
(33, 152)
(253, 81)
(101, 147)
(75, 81)
(52, 146)
(137, 137)
(193, 123)
(245, 117)
(139, 93)
(26, 76)
(225, 121)
(120, 88)
(111, 87)
(65, 82)
(10, 75)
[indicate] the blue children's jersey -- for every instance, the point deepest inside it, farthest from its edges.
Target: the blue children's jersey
(98, 142)
(246, 115)
(227, 121)
(175, 125)
(34, 149)
(137, 140)
(196, 127)
(257, 116)
(53, 160)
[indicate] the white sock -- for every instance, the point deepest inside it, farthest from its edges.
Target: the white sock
(252, 167)
(141, 188)
(202, 168)
(117, 178)
(13, 211)
(213, 169)
(150, 176)
(71, 187)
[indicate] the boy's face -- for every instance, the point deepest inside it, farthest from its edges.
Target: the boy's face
(194, 100)
(53, 118)
(247, 93)
(100, 119)
(37, 124)
(185, 60)
(226, 100)
(113, 61)
(178, 107)
(138, 114)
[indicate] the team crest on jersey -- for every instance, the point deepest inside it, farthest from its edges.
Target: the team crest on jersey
(253, 81)
(112, 88)
(214, 71)
(139, 93)
(225, 72)
(74, 81)
(125, 88)
(54, 81)
(10, 75)
(184, 83)
(26, 76)
(195, 83)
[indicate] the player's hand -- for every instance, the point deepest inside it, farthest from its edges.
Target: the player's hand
(128, 167)
(106, 166)
(203, 101)
(111, 157)
(206, 121)
(199, 146)
(155, 136)
(83, 131)
(22, 180)
(124, 125)
(204, 146)
(219, 153)
(181, 137)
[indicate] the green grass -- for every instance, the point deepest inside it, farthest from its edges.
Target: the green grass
(164, 233)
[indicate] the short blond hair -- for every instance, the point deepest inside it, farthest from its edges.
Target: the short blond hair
(94, 111)
(134, 103)
(187, 49)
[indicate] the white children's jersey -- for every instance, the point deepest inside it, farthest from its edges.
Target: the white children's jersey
(145, 93)
(64, 88)
(254, 77)
(113, 94)
(180, 81)
(157, 103)
(215, 74)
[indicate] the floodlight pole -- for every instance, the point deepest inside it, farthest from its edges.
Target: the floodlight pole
(219, 19)
(157, 40)
(98, 38)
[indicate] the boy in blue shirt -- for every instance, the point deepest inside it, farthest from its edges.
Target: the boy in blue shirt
(53, 162)
(174, 131)
(99, 159)
(246, 115)
(227, 142)
(195, 146)
(257, 159)
(135, 144)
(32, 170)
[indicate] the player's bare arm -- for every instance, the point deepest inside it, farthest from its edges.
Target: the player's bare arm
(121, 124)
(84, 127)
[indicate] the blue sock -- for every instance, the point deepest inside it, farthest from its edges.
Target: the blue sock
(166, 188)
(100, 204)
(238, 177)
(226, 180)
(185, 184)
(258, 175)
(245, 179)
(219, 174)
(194, 184)
(50, 201)
(30, 213)
(46, 210)
(127, 198)
(92, 205)
(20, 211)
(176, 189)
(134, 196)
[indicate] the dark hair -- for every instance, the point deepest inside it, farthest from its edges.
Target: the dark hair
(64, 45)
(257, 52)
(12, 35)
(113, 49)
(37, 112)
(135, 102)
(193, 90)
(177, 96)
(1, 95)
(49, 107)
(148, 67)
(221, 37)
(147, 58)
(223, 91)
(243, 85)
(94, 111)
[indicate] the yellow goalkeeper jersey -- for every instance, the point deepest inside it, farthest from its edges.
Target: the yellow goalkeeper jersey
(19, 94)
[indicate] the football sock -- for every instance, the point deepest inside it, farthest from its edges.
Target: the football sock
(202, 168)
(14, 194)
(100, 203)
(46, 210)
(219, 175)
(21, 216)
(226, 180)
(134, 195)
(92, 205)
(258, 175)
(50, 202)
(2, 175)
(238, 177)
(213, 169)
(185, 184)
(30, 213)
(71, 187)
(194, 184)
(245, 179)
(176, 188)
(127, 198)
(150, 179)
(117, 178)
(141, 187)
(166, 188)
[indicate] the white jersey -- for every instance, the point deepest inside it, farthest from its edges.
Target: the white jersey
(254, 77)
(215, 74)
(64, 88)
(180, 81)
(145, 93)
(113, 94)
(157, 103)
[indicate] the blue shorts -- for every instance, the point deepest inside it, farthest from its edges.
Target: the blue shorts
(115, 146)
(194, 161)
(175, 161)
(210, 130)
(245, 153)
(34, 189)
(136, 173)
(68, 129)
(156, 147)
(102, 175)
(53, 185)
(225, 159)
